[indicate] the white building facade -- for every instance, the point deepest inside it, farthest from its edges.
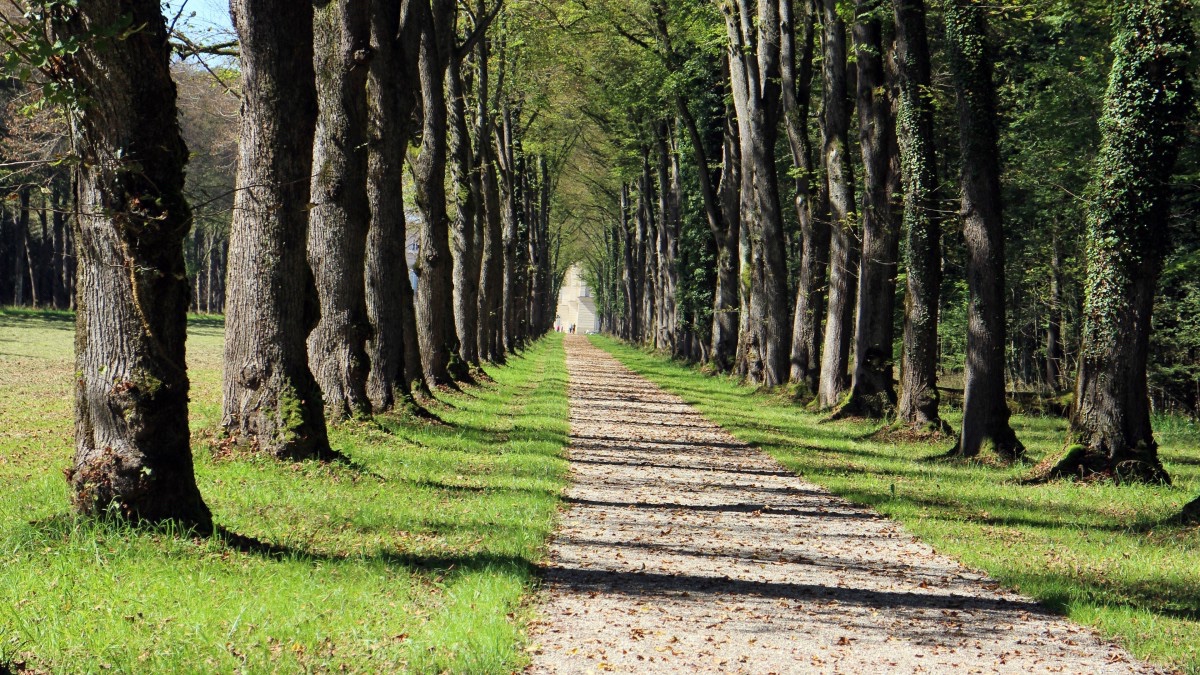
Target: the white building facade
(576, 305)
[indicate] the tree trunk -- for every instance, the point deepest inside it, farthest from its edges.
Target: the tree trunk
(339, 219)
(30, 265)
(133, 454)
(871, 392)
(508, 211)
(271, 399)
(726, 302)
(754, 44)
(1054, 343)
(922, 233)
(491, 274)
(843, 249)
(63, 253)
(391, 101)
(814, 232)
(1143, 126)
(466, 194)
(435, 318)
(985, 406)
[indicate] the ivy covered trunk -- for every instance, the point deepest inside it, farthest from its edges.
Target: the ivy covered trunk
(1142, 127)
(922, 231)
(271, 399)
(843, 247)
(391, 100)
(338, 221)
(871, 392)
(133, 455)
(985, 406)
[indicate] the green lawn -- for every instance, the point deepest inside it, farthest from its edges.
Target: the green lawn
(1093, 552)
(418, 556)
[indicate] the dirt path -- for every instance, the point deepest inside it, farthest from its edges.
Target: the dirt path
(686, 551)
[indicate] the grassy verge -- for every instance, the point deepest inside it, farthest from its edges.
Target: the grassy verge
(1088, 551)
(417, 558)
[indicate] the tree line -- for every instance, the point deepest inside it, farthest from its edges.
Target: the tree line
(853, 199)
(322, 323)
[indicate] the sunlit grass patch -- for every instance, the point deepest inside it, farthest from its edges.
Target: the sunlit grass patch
(1098, 553)
(417, 556)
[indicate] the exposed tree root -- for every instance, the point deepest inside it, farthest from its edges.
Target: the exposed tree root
(913, 432)
(1190, 515)
(1080, 463)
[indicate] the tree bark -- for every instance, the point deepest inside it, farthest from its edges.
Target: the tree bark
(271, 400)
(922, 233)
(467, 188)
(391, 102)
(985, 405)
(339, 219)
(814, 232)
(435, 324)
(491, 275)
(133, 455)
(871, 392)
(726, 301)
(1143, 125)
(754, 44)
(843, 249)
(1054, 343)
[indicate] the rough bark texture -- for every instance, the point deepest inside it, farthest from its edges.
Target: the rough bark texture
(1143, 126)
(843, 247)
(871, 391)
(391, 100)
(814, 231)
(726, 302)
(467, 188)
(491, 275)
(271, 399)
(435, 316)
(922, 235)
(338, 221)
(133, 456)
(985, 405)
(754, 47)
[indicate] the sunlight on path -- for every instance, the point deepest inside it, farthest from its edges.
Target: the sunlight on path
(684, 550)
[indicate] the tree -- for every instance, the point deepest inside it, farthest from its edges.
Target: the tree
(753, 50)
(1148, 100)
(843, 257)
(871, 392)
(985, 406)
(339, 219)
(922, 235)
(435, 325)
(391, 103)
(271, 399)
(797, 78)
(132, 445)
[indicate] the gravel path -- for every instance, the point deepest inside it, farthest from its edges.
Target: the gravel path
(686, 551)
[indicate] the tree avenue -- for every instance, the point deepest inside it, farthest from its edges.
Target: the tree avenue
(414, 180)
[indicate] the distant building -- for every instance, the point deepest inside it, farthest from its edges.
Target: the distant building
(576, 306)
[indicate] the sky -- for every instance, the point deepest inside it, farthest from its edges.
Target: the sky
(210, 16)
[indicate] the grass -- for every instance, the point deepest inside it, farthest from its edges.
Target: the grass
(416, 557)
(1097, 553)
